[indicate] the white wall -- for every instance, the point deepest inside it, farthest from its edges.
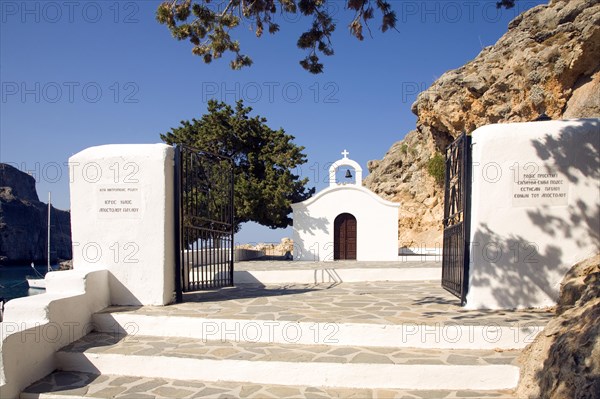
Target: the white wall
(122, 219)
(242, 254)
(35, 327)
(522, 245)
(376, 221)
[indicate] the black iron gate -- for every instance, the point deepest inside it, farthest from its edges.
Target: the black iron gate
(457, 207)
(204, 220)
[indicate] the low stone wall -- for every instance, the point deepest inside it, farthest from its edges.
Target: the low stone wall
(208, 256)
(35, 327)
(241, 254)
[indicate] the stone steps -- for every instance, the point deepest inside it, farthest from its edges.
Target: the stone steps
(405, 335)
(385, 314)
(372, 339)
(192, 359)
(73, 385)
(301, 365)
(139, 345)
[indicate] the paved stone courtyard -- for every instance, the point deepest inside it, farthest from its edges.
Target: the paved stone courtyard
(374, 303)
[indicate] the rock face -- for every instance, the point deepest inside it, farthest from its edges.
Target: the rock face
(19, 184)
(547, 62)
(24, 219)
(564, 359)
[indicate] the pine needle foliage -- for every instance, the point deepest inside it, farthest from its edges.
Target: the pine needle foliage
(209, 25)
(266, 161)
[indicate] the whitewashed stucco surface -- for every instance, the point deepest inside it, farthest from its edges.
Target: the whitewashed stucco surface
(377, 220)
(136, 246)
(521, 248)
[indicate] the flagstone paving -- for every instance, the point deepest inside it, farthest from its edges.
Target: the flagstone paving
(367, 302)
(107, 343)
(65, 384)
(372, 302)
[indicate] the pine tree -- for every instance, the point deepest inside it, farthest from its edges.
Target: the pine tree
(211, 24)
(264, 161)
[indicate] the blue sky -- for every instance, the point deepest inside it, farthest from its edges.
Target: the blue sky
(85, 73)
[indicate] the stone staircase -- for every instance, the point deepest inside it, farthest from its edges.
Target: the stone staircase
(374, 339)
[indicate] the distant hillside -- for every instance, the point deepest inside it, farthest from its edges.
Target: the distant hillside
(24, 221)
(548, 61)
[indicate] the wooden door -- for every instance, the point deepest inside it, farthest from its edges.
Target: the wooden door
(344, 237)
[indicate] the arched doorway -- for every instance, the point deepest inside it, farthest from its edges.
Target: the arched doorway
(344, 237)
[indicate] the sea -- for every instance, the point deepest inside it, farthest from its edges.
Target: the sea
(13, 283)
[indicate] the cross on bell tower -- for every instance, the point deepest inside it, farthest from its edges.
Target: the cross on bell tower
(345, 161)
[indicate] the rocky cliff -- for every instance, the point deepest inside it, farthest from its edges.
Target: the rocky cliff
(24, 219)
(547, 62)
(564, 359)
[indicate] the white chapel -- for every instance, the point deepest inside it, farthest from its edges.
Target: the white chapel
(345, 221)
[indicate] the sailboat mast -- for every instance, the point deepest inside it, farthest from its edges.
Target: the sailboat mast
(49, 208)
